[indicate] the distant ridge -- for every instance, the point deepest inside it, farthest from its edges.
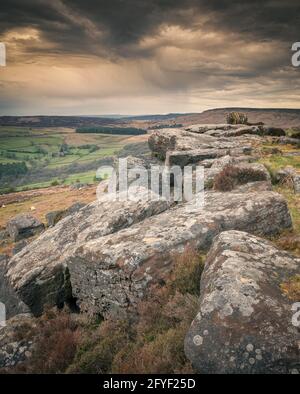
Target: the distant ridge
(280, 117)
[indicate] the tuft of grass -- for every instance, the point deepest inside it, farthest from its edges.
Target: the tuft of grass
(290, 240)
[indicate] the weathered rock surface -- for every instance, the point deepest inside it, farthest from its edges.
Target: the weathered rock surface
(89, 258)
(288, 140)
(164, 140)
(8, 296)
(234, 130)
(244, 324)
(126, 262)
(24, 226)
(39, 273)
(183, 158)
(203, 128)
(13, 349)
(54, 217)
(251, 187)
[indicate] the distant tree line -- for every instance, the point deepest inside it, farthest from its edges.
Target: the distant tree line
(167, 126)
(111, 130)
(13, 169)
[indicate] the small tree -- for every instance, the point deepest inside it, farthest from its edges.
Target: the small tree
(237, 118)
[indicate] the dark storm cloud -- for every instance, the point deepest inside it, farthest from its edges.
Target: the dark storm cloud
(124, 23)
(147, 55)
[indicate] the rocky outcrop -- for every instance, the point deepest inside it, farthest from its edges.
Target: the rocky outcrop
(183, 158)
(92, 258)
(235, 130)
(39, 273)
(165, 140)
(125, 263)
(244, 324)
(101, 258)
(24, 226)
(288, 141)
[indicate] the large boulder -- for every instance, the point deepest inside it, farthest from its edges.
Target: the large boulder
(39, 272)
(234, 130)
(165, 140)
(95, 259)
(244, 324)
(24, 226)
(273, 131)
(288, 141)
(203, 128)
(8, 297)
(226, 130)
(183, 158)
(119, 267)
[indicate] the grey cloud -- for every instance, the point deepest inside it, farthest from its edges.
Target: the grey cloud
(70, 23)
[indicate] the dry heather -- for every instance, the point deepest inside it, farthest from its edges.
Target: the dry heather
(232, 176)
(150, 341)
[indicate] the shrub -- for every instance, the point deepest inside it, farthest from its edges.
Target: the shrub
(209, 183)
(291, 288)
(149, 341)
(188, 268)
(55, 336)
(153, 340)
(237, 118)
(165, 354)
(98, 349)
(54, 183)
(232, 176)
(289, 242)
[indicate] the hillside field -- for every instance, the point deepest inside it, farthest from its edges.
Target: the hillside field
(53, 151)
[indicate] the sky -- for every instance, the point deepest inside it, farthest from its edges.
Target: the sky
(90, 57)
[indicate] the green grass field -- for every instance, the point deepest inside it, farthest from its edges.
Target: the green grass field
(52, 149)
